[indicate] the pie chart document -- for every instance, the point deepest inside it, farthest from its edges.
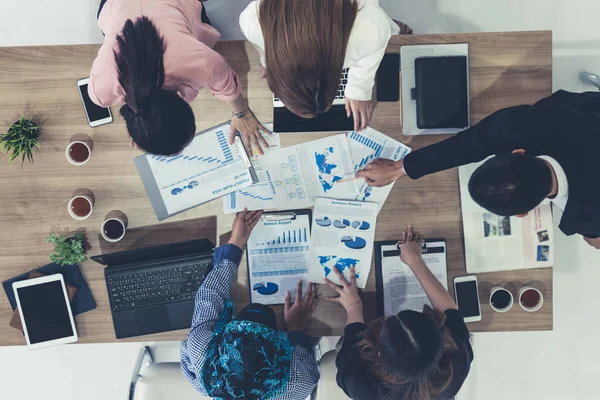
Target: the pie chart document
(343, 234)
(278, 251)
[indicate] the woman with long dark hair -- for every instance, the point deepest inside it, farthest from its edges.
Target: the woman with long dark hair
(156, 56)
(305, 44)
(410, 355)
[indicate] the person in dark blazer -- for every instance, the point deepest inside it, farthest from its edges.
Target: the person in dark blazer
(546, 150)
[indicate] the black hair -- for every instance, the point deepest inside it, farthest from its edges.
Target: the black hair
(410, 353)
(411, 344)
(511, 184)
(260, 314)
(158, 120)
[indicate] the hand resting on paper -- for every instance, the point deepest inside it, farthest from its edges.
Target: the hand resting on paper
(381, 172)
(348, 296)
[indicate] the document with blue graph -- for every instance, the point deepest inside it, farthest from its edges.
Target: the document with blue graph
(368, 145)
(293, 177)
(343, 234)
(208, 168)
(277, 252)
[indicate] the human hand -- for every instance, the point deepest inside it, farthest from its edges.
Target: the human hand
(242, 227)
(411, 247)
(382, 172)
(296, 316)
(262, 71)
(362, 112)
(250, 131)
(594, 242)
(348, 295)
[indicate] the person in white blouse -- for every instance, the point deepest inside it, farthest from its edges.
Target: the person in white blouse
(305, 44)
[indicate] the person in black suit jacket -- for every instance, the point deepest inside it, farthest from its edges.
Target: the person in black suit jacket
(549, 149)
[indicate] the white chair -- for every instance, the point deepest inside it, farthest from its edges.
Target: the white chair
(160, 380)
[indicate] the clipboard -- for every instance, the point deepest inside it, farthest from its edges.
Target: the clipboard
(379, 255)
(269, 290)
(192, 185)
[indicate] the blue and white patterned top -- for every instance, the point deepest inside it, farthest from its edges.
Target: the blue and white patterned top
(210, 300)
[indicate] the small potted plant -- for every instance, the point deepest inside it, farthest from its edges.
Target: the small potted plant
(21, 140)
(67, 250)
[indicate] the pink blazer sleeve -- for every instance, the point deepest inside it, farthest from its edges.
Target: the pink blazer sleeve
(199, 66)
(104, 88)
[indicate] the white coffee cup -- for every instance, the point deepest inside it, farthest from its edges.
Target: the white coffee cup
(109, 239)
(72, 213)
(537, 306)
(510, 303)
(68, 153)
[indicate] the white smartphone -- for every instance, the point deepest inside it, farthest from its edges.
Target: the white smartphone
(45, 311)
(466, 293)
(95, 114)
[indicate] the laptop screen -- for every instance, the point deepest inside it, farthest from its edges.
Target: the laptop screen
(154, 253)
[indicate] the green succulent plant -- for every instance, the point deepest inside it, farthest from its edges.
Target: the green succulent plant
(67, 250)
(21, 140)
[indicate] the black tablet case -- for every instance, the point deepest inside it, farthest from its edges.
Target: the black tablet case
(441, 92)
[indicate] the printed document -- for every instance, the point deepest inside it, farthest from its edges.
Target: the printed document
(278, 251)
(495, 243)
(401, 288)
(208, 168)
(342, 235)
(366, 146)
(293, 177)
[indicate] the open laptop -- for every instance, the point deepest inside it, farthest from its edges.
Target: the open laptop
(153, 289)
(334, 120)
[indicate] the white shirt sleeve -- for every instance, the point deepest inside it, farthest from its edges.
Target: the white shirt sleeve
(366, 47)
(250, 26)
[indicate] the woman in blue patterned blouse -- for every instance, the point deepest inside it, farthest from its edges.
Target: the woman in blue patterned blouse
(247, 357)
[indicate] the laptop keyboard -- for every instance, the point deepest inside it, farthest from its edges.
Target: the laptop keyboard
(341, 90)
(147, 288)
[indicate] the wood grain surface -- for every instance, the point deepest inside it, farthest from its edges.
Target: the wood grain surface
(506, 69)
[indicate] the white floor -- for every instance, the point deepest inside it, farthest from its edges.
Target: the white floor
(549, 365)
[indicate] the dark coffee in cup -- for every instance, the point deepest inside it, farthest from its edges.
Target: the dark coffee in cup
(501, 299)
(530, 298)
(113, 229)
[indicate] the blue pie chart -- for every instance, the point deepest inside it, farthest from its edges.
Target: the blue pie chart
(355, 243)
(344, 223)
(266, 288)
(323, 221)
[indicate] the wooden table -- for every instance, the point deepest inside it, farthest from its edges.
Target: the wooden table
(506, 69)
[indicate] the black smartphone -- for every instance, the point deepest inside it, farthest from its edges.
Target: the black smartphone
(388, 78)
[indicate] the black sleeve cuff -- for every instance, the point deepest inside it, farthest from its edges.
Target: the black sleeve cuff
(299, 338)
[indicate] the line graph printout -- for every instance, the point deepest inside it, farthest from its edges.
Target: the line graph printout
(208, 168)
(278, 258)
(343, 234)
(294, 177)
(368, 145)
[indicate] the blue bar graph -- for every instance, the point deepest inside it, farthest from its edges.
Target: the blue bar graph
(203, 159)
(291, 237)
(376, 147)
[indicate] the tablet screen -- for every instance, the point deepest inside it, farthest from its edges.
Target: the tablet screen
(45, 312)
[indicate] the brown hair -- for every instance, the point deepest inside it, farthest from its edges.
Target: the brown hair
(305, 47)
(409, 353)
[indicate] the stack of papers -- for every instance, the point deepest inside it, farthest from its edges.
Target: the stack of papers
(295, 176)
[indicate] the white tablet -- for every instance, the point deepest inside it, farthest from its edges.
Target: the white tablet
(45, 311)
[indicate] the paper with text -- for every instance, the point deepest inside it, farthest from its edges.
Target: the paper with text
(342, 235)
(278, 252)
(401, 288)
(293, 177)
